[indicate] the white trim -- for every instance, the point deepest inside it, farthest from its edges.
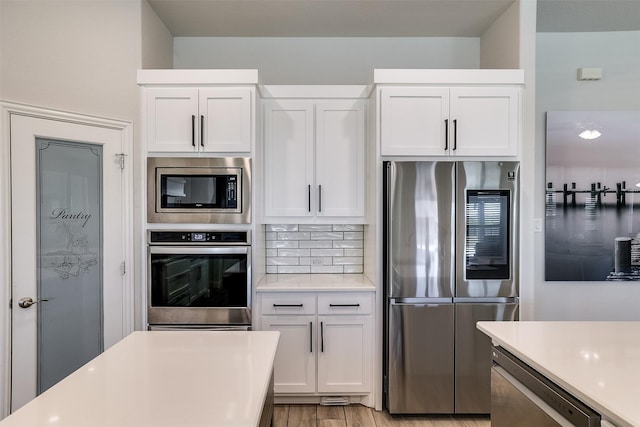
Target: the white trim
(5, 264)
(449, 77)
(315, 91)
(126, 128)
(197, 77)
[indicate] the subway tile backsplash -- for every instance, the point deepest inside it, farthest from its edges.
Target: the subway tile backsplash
(326, 248)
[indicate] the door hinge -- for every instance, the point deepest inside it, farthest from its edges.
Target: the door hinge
(123, 268)
(121, 157)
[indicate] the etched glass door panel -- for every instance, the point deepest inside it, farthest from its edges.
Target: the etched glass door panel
(69, 216)
(69, 245)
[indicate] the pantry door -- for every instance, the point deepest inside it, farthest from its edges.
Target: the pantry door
(68, 246)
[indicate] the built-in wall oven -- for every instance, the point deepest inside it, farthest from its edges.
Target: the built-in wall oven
(199, 190)
(199, 280)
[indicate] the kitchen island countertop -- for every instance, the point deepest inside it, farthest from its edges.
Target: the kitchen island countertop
(183, 378)
(597, 362)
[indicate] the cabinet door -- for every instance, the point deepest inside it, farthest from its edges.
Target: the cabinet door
(344, 354)
(288, 159)
(486, 121)
(340, 158)
(172, 119)
(413, 121)
(294, 368)
(225, 119)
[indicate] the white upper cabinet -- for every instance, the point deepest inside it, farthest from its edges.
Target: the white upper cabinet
(413, 121)
(486, 121)
(340, 158)
(225, 119)
(171, 119)
(460, 121)
(198, 111)
(199, 120)
(289, 158)
(449, 112)
(314, 159)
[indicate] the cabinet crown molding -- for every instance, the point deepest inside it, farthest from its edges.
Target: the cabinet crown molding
(449, 77)
(315, 91)
(197, 77)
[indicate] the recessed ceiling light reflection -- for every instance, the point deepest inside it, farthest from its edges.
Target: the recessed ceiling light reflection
(589, 134)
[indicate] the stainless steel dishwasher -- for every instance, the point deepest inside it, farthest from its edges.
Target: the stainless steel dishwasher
(521, 396)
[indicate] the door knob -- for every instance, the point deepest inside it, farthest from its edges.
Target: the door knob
(26, 302)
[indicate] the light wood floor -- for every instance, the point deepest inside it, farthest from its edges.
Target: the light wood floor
(361, 416)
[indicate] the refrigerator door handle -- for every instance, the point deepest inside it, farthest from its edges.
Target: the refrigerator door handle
(486, 300)
(420, 301)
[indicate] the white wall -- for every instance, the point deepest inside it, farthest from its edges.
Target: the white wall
(79, 56)
(72, 55)
(500, 43)
(156, 53)
(157, 41)
(559, 55)
(527, 62)
(324, 60)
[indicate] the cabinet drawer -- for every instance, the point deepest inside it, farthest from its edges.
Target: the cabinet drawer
(345, 303)
(288, 304)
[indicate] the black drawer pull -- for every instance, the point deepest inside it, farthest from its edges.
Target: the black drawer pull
(446, 134)
(344, 305)
(193, 130)
(202, 131)
(287, 305)
(455, 134)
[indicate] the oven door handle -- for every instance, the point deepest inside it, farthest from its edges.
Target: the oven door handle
(195, 250)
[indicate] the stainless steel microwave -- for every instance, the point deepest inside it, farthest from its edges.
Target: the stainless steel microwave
(198, 190)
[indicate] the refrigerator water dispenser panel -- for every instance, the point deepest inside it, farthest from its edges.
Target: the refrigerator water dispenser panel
(487, 240)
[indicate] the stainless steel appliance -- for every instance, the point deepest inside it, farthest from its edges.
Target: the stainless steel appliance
(520, 396)
(451, 259)
(199, 279)
(199, 190)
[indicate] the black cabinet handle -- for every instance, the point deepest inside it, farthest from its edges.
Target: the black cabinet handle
(310, 337)
(446, 134)
(193, 130)
(319, 198)
(455, 134)
(287, 305)
(309, 196)
(321, 337)
(202, 131)
(344, 305)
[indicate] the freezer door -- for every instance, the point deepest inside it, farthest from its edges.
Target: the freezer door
(473, 355)
(420, 359)
(419, 225)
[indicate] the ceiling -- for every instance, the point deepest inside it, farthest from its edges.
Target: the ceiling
(381, 18)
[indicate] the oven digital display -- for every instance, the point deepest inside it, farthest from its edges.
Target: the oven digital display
(198, 237)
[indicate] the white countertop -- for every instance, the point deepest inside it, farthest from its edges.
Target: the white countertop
(597, 362)
(315, 282)
(182, 378)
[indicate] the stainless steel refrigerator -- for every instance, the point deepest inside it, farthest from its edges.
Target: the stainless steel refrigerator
(451, 259)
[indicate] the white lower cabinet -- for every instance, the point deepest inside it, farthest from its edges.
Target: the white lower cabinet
(295, 364)
(326, 341)
(344, 360)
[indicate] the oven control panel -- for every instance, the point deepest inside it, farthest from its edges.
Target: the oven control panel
(199, 237)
